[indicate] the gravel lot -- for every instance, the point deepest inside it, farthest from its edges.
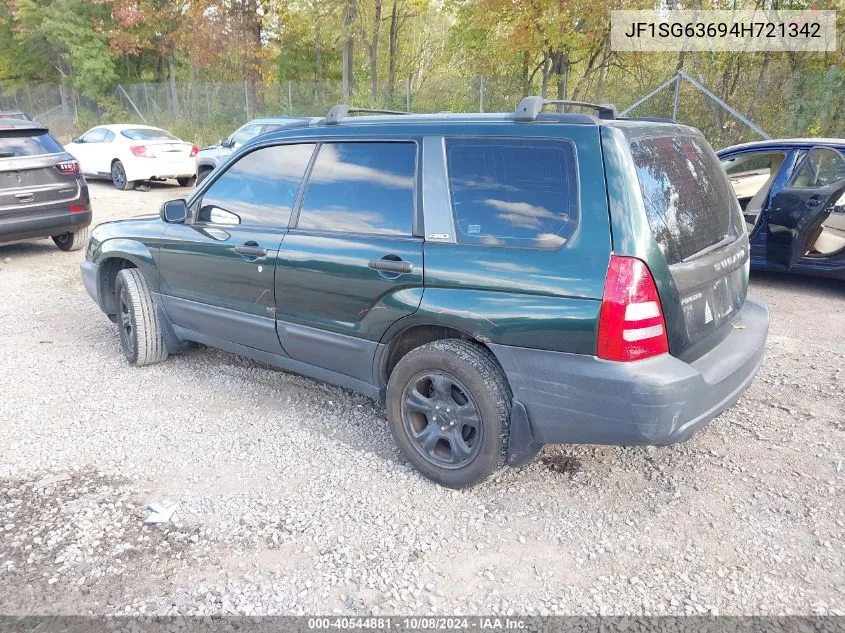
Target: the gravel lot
(294, 500)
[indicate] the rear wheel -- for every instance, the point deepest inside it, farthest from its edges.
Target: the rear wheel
(185, 182)
(448, 405)
(118, 176)
(137, 321)
(72, 241)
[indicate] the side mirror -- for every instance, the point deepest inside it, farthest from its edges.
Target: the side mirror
(76, 140)
(174, 211)
(225, 142)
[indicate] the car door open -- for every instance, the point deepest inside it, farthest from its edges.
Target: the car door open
(799, 210)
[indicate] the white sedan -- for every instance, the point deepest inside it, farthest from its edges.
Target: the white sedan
(126, 154)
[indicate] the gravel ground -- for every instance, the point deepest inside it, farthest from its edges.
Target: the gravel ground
(294, 500)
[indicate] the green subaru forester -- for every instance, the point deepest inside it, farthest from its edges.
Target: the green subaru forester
(499, 281)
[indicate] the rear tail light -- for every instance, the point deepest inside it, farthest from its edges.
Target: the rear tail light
(142, 151)
(631, 324)
(194, 151)
(69, 167)
(77, 208)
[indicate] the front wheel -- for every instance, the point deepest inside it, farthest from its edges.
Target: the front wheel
(185, 182)
(72, 241)
(137, 321)
(202, 174)
(118, 177)
(448, 405)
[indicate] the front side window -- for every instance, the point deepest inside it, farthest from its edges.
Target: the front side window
(260, 189)
(506, 192)
(751, 174)
(97, 135)
(244, 134)
(821, 167)
(361, 188)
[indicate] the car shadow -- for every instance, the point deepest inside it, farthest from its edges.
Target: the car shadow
(27, 248)
(156, 185)
(821, 286)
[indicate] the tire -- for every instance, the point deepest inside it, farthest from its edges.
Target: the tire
(186, 182)
(137, 321)
(72, 241)
(118, 177)
(463, 447)
(202, 174)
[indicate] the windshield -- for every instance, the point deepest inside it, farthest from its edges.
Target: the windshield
(148, 134)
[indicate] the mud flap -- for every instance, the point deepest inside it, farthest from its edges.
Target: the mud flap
(522, 447)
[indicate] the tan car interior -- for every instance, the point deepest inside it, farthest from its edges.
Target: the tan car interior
(826, 167)
(755, 205)
(829, 238)
(832, 236)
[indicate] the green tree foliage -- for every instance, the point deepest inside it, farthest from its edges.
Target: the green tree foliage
(48, 41)
(558, 48)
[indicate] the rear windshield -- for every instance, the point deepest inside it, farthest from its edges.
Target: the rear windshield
(27, 143)
(687, 197)
(145, 134)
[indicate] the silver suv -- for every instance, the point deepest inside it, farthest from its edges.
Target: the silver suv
(42, 191)
(210, 157)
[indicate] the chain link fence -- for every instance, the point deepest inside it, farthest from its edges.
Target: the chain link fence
(204, 112)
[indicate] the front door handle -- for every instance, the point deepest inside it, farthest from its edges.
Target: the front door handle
(250, 249)
(395, 266)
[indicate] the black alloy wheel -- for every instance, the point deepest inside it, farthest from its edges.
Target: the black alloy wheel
(441, 419)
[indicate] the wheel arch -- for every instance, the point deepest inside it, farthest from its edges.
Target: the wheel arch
(117, 254)
(414, 335)
(206, 165)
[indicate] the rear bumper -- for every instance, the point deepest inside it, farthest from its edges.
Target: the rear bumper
(140, 170)
(43, 222)
(577, 399)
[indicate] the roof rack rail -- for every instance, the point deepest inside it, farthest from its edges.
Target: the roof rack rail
(343, 110)
(531, 107)
(649, 119)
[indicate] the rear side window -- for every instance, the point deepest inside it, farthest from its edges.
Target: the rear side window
(361, 188)
(27, 143)
(688, 201)
(507, 192)
(146, 134)
(258, 190)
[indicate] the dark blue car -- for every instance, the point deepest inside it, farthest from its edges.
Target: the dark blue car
(792, 193)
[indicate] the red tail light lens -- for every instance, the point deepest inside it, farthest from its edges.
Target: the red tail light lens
(69, 167)
(142, 151)
(77, 208)
(194, 151)
(631, 324)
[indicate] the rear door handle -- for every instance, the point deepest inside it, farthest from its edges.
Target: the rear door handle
(250, 249)
(398, 267)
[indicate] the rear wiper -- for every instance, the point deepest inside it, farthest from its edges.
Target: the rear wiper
(728, 239)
